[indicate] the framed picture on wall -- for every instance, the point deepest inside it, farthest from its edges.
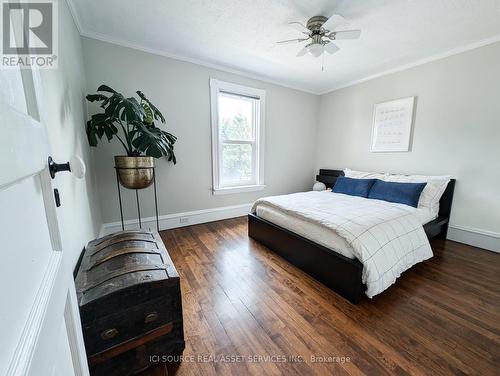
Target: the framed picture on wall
(392, 125)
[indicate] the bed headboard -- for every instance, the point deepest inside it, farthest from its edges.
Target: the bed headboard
(328, 177)
(446, 200)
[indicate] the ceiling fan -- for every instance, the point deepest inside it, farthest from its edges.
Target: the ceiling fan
(321, 32)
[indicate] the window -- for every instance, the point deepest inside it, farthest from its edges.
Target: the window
(237, 137)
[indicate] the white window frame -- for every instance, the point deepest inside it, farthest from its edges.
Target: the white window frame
(216, 87)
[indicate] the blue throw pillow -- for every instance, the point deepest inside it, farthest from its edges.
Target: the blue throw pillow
(401, 193)
(353, 187)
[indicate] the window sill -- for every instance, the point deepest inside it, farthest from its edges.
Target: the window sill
(240, 189)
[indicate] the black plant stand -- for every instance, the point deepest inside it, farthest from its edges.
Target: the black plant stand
(137, 196)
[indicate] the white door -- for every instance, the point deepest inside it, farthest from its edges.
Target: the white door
(40, 332)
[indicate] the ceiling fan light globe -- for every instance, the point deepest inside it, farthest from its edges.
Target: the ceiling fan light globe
(315, 50)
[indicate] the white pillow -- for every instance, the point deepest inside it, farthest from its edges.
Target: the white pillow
(432, 192)
(363, 175)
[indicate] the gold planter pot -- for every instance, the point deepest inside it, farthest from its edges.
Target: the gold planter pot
(134, 172)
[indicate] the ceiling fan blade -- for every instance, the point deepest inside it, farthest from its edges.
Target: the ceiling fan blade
(331, 48)
(345, 34)
(333, 22)
(292, 41)
(300, 27)
(302, 52)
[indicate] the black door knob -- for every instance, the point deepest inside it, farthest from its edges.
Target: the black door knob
(57, 167)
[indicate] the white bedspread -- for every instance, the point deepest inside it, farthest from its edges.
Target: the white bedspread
(387, 238)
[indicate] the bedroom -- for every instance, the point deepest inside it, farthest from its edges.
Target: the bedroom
(389, 109)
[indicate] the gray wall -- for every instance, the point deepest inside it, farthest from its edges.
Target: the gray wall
(181, 91)
(63, 113)
(456, 130)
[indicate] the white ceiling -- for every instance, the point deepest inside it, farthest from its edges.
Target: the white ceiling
(240, 35)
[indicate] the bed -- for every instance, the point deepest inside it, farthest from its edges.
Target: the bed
(324, 254)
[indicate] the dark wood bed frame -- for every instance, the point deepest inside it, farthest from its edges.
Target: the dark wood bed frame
(339, 273)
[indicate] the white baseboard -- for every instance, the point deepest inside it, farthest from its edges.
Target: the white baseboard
(475, 237)
(478, 238)
(180, 219)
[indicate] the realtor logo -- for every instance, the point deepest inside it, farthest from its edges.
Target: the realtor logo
(29, 30)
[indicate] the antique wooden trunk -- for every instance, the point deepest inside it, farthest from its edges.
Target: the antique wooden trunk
(130, 303)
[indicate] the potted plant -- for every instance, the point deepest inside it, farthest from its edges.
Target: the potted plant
(132, 122)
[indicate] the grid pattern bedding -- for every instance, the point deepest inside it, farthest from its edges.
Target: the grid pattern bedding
(386, 238)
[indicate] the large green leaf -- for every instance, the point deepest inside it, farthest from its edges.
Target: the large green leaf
(154, 142)
(96, 97)
(130, 110)
(106, 88)
(148, 119)
(125, 109)
(98, 126)
(143, 137)
(156, 112)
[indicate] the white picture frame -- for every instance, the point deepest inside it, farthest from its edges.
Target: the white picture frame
(392, 126)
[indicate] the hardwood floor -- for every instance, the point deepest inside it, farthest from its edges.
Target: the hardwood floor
(256, 314)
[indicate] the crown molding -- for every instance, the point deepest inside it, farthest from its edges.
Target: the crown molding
(164, 53)
(74, 14)
(203, 63)
(442, 55)
(254, 76)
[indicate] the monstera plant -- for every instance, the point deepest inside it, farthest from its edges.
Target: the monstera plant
(132, 123)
